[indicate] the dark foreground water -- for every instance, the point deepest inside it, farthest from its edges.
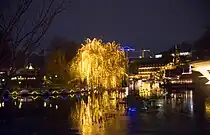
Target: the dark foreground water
(98, 115)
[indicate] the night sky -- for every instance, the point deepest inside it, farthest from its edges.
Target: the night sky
(149, 24)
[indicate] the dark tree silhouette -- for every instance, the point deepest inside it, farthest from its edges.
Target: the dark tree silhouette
(70, 48)
(5, 50)
(60, 54)
(202, 45)
(185, 46)
(24, 23)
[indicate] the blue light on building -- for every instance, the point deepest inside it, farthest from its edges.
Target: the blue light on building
(127, 49)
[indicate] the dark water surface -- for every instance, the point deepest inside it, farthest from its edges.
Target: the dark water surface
(99, 115)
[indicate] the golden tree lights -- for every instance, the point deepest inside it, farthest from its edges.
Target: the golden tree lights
(94, 115)
(100, 64)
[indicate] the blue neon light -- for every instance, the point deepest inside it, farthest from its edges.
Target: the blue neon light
(132, 109)
(127, 48)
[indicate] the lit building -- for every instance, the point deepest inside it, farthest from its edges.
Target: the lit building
(179, 78)
(146, 74)
(158, 68)
(27, 77)
(147, 68)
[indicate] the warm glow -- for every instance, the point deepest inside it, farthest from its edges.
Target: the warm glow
(30, 67)
(100, 64)
(181, 81)
(203, 68)
(91, 117)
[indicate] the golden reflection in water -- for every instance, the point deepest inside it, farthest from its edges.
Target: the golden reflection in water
(146, 89)
(2, 104)
(20, 105)
(145, 93)
(207, 105)
(182, 102)
(90, 116)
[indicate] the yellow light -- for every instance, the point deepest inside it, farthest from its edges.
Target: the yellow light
(71, 95)
(14, 97)
(34, 97)
(20, 105)
(203, 68)
(45, 78)
(34, 93)
(126, 91)
(91, 117)
(100, 64)
(14, 93)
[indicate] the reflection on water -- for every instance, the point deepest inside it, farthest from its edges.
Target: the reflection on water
(182, 103)
(94, 115)
(208, 108)
(148, 89)
(89, 114)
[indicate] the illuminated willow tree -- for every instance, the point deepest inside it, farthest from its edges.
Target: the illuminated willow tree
(100, 64)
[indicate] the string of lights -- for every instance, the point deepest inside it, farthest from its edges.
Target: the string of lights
(100, 64)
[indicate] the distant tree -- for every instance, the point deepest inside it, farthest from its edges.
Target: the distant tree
(176, 49)
(37, 60)
(185, 46)
(61, 53)
(5, 50)
(69, 47)
(57, 66)
(167, 57)
(202, 45)
(24, 23)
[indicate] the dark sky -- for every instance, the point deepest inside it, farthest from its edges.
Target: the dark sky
(149, 24)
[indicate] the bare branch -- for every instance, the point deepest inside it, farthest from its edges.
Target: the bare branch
(27, 41)
(2, 18)
(37, 25)
(22, 8)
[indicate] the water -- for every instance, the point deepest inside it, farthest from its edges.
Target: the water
(98, 115)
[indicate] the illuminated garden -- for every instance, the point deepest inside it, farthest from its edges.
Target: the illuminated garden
(99, 64)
